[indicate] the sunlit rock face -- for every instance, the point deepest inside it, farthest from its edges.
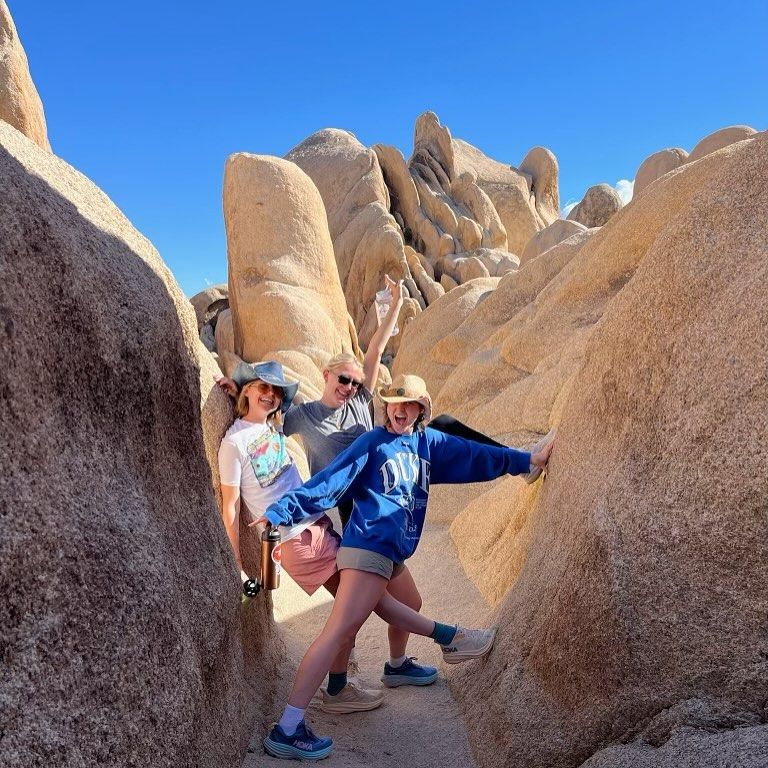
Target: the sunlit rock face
(122, 634)
(285, 295)
(630, 584)
(20, 104)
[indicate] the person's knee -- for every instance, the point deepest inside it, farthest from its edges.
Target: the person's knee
(343, 634)
(413, 599)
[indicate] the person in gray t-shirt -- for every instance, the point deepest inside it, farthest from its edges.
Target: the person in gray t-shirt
(329, 425)
(326, 430)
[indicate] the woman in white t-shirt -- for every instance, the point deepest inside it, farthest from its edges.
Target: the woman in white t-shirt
(256, 469)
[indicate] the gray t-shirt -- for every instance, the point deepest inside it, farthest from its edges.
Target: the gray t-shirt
(326, 432)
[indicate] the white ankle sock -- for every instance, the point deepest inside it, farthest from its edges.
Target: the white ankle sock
(291, 717)
(398, 662)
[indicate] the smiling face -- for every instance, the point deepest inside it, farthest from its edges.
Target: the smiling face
(402, 417)
(263, 399)
(336, 393)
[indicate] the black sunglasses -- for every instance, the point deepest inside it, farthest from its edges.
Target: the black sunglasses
(344, 380)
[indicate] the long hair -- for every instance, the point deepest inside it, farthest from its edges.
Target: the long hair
(242, 406)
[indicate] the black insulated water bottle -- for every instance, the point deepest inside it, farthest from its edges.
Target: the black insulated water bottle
(270, 558)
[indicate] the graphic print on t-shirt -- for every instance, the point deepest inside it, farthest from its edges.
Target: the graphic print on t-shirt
(268, 457)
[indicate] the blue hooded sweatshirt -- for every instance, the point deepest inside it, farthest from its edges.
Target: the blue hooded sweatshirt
(387, 477)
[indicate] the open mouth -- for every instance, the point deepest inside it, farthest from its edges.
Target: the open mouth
(268, 402)
(401, 421)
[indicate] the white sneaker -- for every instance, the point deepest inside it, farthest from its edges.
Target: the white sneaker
(351, 699)
(469, 644)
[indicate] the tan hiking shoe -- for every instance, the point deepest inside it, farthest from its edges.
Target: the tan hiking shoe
(351, 699)
(469, 644)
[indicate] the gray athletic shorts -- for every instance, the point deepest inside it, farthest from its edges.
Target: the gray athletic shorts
(365, 560)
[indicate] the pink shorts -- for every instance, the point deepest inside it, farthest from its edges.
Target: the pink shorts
(310, 558)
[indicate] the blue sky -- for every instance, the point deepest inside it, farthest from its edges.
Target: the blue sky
(148, 99)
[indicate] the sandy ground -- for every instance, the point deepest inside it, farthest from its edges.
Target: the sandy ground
(415, 727)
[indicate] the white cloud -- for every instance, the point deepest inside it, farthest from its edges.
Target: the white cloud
(207, 281)
(625, 189)
(567, 208)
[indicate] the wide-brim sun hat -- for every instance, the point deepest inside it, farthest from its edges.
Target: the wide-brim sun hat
(407, 388)
(270, 372)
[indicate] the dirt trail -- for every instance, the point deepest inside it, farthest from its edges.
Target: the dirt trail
(415, 727)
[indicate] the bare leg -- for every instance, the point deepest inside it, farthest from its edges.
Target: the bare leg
(403, 588)
(356, 597)
(341, 663)
(393, 611)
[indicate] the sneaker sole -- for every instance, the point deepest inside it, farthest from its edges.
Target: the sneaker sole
(458, 657)
(346, 708)
(287, 752)
(395, 681)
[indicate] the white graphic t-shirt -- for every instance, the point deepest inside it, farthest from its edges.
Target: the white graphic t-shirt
(254, 458)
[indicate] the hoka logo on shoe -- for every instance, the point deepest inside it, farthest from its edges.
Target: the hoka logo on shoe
(306, 745)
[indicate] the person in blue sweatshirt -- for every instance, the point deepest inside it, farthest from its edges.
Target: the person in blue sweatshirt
(386, 474)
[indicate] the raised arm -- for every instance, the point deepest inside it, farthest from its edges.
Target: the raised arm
(378, 342)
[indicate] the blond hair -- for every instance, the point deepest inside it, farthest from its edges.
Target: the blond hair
(242, 406)
(343, 358)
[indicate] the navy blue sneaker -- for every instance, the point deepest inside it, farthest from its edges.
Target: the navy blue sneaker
(302, 745)
(408, 673)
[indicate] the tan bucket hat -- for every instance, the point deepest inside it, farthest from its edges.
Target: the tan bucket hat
(407, 388)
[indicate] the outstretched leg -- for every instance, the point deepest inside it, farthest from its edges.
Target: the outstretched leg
(356, 597)
(403, 588)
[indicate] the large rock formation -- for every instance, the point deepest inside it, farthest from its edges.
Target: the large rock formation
(635, 630)
(286, 299)
(122, 633)
(446, 216)
(556, 232)
(597, 206)
(209, 302)
(526, 199)
(656, 165)
(367, 240)
(719, 139)
(209, 305)
(458, 186)
(512, 359)
(659, 163)
(609, 563)
(20, 104)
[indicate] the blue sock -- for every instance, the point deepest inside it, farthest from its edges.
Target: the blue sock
(336, 682)
(443, 633)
